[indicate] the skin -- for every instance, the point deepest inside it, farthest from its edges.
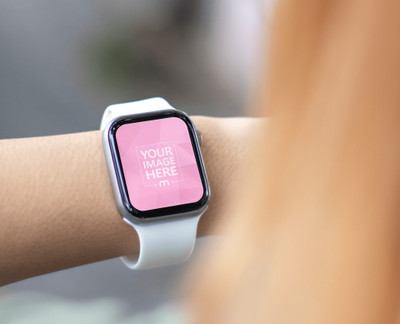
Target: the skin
(56, 205)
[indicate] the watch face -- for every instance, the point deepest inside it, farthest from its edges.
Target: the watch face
(159, 165)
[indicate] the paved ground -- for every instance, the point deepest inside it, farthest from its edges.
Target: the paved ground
(46, 88)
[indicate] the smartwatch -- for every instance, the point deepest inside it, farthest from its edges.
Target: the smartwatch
(158, 178)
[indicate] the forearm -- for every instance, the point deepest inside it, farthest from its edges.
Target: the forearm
(56, 205)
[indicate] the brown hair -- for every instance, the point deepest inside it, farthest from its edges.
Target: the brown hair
(315, 236)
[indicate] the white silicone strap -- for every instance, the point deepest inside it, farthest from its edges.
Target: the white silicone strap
(133, 108)
(162, 242)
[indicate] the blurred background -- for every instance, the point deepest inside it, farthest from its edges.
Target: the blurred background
(63, 62)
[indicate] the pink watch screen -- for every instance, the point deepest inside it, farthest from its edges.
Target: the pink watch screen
(158, 163)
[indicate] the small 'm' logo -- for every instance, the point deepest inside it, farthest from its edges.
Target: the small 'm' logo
(163, 183)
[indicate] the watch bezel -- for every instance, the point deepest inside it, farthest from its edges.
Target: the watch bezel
(120, 178)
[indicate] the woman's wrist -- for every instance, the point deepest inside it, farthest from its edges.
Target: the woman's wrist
(57, 207)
